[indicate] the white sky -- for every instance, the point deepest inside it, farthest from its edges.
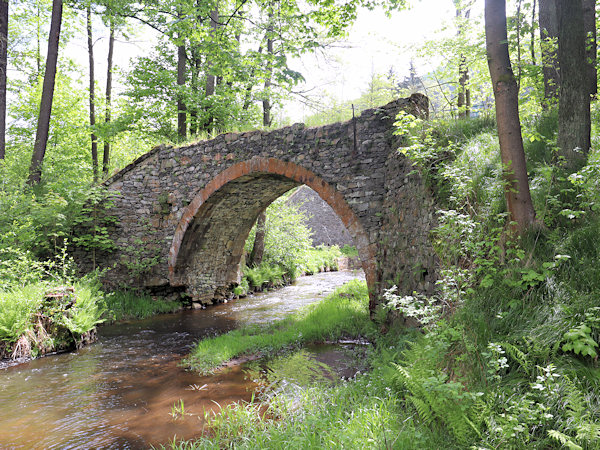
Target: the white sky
(375, 43)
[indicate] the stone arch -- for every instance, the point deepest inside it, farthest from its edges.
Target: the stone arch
(271, 178)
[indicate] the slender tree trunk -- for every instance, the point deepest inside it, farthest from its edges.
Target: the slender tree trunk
(258, 249)
(38, 54)
(464, 92)
(267, 119)
(107, 113)
(574, 105)
(193, 109)
(548, 21)
(210, 77)
(92, 93)
(43, 128)
(533, 61)
(181, 111)
(516, 191)
(589, 25)
(3, 77)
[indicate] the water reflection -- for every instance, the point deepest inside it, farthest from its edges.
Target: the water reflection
(120, 392)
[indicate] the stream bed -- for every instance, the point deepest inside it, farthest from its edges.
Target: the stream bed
(121, 392)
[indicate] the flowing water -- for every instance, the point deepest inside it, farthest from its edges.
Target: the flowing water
(120, 392)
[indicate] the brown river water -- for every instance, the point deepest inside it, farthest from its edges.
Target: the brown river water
(120, 392)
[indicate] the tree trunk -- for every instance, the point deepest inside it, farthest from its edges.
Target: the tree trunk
(464, 92)
(107, 114)
(210, 77)
(94, 139)
(533, 61)
(193, 108)
(516, 190)
(589, 25)
(574, 105)
(43, 128)
(181, 111)
(548, 21)
(3, 65)
(258, 249)
(267, 119)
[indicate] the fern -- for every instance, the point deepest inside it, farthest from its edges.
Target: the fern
(517, 355)
(564, 439)
(422, 408)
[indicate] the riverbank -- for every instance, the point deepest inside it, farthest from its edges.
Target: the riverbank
(40, 319)
(45, 318)
(121, 392)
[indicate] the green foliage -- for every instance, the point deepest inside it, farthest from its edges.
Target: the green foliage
(92, 222)
(16, 309)
(349, 251)
(287, 239)
(579, 341)
(321, 259)
(87, 311)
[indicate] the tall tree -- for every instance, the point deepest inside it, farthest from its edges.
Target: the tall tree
(463, 11)
(211, 79)
(90, 42)
(548, 21)
(574, 124)
(181, 109)
(3, 75)
(41, 137)
(516, 190)
(267, 119)
(589, 26)
(107, 113)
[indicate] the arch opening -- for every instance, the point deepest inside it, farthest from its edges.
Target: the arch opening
(208, 245)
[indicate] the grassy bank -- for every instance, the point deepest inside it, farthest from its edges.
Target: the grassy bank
(270, 275)
(44, 317)
(129, 305)
(342, 314)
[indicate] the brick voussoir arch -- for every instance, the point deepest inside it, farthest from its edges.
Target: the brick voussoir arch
(293, 172)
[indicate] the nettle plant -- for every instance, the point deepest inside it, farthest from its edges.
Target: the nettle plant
(579, 339)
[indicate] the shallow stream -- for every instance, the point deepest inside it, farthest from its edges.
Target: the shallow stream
(121, 392)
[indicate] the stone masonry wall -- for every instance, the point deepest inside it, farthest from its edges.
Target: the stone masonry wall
(184, 213)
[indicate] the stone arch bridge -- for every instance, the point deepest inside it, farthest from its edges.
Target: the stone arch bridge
(184, 213)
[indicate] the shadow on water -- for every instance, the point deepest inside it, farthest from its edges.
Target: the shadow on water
(121, 391)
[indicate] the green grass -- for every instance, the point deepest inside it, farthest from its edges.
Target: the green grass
(320, 259)
(343, 313)
(267, 276)
(128, 305)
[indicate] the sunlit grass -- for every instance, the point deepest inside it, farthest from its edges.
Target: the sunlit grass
(343, 313)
